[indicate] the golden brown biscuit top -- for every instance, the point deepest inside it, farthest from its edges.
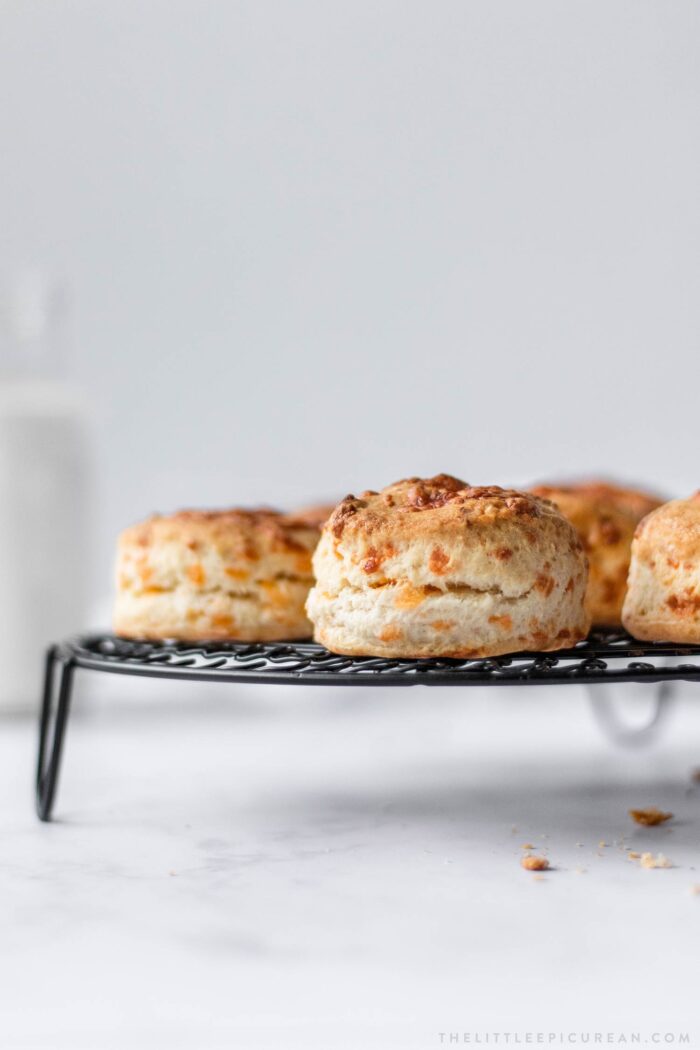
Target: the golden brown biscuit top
(632, 501)
(260, 530)
(600, 521)
(673, 529)
(417, 505)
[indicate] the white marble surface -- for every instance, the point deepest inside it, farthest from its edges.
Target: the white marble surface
(292, 867)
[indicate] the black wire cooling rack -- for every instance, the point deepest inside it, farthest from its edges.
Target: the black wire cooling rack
(605, 656)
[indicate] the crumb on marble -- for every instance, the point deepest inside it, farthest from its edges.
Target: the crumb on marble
(650, 816)
(648, 860)
(534, 863)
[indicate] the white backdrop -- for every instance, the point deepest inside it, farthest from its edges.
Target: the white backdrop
(314, 246)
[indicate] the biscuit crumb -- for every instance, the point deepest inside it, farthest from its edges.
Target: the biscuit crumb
(650, 817)
(580, 871)
(695, 889)
(602, 843)
(633, 855)
(533, 863)
(527, 845)
(648, 860)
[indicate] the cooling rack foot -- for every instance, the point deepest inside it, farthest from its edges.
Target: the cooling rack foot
(55, 707)
(614, 724)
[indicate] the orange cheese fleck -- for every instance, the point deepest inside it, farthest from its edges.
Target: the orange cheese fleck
(303, 562)
(442, 625)
(438, 561)
(275, 592)
(236, 574)
(196, 574)
(390, 634)
(409, 597)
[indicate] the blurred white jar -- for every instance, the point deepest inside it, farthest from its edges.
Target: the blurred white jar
(44, 554)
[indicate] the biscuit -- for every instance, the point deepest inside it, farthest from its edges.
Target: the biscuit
(437, 568)
(317, 514)
(605, 517)
(215, 575)
(663, 594)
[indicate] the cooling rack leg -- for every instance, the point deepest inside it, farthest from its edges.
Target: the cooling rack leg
(612, 722)
(55, 706)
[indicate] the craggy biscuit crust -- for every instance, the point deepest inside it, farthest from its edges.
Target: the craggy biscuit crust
(605, 517)
(637, 502)
(663, 596)
(215, 575)
(434, 566)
